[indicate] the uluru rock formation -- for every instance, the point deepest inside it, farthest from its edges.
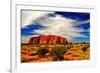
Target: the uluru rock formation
(48, 39)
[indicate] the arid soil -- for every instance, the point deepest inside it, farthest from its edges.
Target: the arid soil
(53, 48)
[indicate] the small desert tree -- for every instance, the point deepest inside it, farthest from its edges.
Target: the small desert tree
(58, 53)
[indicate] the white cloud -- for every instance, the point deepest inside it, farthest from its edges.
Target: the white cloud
(60, 25)
(57, 25)
(28, 16)
(25, 39)
(83, 22)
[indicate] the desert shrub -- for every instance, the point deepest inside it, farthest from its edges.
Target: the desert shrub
(84, 48)
(58, 53)
(68, 47)
(42, 52)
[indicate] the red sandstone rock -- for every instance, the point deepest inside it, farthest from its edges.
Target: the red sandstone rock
(44, 39)
(48, 39)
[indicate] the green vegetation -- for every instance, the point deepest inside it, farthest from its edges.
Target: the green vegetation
(42, 52)
(58, 53)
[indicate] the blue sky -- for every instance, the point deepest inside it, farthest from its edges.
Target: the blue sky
(75, 26)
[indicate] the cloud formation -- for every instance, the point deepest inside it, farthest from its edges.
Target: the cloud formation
(54, 24)
(28, 16)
